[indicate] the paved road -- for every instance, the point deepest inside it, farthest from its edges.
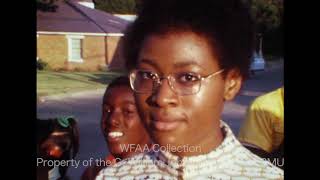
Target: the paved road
(86, 108)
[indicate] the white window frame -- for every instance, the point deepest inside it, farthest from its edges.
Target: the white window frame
(37, 47)
(70, 37)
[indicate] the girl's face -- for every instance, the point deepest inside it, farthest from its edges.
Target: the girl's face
(170, 118)
(55, 145)
(121, 124)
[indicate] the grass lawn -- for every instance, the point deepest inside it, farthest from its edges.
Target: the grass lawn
(49, 83)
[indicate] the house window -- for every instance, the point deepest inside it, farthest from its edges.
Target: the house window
(75, 48)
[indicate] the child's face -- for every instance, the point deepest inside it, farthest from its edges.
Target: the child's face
(171, 118)
(121, 124)
(55, 145)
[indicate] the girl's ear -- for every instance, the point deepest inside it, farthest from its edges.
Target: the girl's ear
(233, 84)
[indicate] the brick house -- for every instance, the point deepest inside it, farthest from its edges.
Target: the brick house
(78, 37)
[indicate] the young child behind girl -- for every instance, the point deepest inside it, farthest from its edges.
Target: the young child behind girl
(121, 125)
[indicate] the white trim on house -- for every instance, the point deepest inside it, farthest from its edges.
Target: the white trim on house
(128, 17)
(87, 4)
(83, 34)
(115, 34)
(69, 38)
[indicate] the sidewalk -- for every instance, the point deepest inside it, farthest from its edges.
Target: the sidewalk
(87, 93)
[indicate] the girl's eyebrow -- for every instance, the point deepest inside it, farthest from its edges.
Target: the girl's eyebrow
(149, 62)
(187, 63)
(182, 64)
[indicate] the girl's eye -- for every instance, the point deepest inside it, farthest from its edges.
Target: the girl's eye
(188, 77)
(148, 75)
(107, 110)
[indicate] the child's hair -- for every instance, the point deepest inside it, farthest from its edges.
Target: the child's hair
(226, 24)
(119, 81)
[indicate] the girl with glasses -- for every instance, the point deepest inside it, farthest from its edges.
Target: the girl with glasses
(185, 60)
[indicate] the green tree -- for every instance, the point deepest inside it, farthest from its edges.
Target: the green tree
(117, 6)
(268, 17)
(46, 5)
(267, 14)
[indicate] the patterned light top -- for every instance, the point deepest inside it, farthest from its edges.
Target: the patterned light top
(229, 161)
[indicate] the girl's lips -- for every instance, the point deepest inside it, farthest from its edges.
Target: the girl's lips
(165, 125)
(164, 121)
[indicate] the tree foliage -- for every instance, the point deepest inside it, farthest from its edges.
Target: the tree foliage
(117, 6)
(268, 14)
(46, 5)
(268, 17)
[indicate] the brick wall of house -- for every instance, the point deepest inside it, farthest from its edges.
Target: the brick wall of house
(54, 50)
(115, 53)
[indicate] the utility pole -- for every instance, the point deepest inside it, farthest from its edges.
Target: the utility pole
(260, 45)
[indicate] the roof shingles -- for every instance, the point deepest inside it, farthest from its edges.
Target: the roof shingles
(73, 17)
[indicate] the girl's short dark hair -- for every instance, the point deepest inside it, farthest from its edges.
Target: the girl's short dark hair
(226, 24)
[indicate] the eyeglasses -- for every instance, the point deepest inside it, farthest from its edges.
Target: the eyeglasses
(184, 83)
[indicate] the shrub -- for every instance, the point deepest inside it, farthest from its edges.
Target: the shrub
(102, 68)
(42, 65)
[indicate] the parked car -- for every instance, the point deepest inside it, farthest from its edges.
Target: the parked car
(257, 63)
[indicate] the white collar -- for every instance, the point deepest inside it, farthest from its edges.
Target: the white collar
(229, 142)
(54, 173)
